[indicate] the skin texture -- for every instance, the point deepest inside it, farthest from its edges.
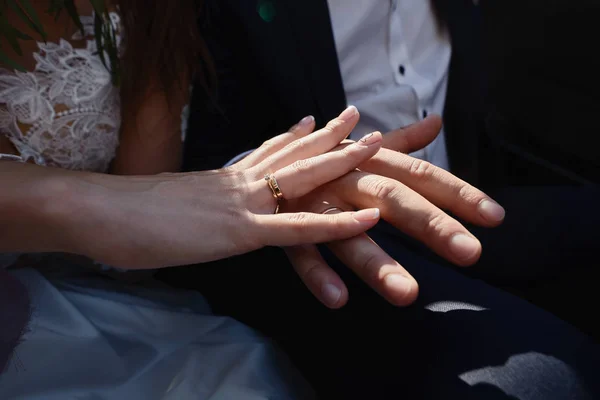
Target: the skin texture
(411, 195)
(178, 219)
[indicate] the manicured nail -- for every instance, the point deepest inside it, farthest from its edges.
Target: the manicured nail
(367, 215)
(348, 113)
(398, 283)
(306, 121)
(369, 139)
(464, 247)
(331, 294)
(491, 211)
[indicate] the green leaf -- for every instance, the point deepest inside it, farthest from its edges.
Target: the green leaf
(55, 9)
(98, 30)
(5, 60)
(99, 6)
(14, 43)
(72, 11)
(11, 35)
(22, 36)
(113, 54)
(27, 13)
(55, 6)
(105, 34)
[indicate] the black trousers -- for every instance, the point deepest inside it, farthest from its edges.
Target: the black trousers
(463, 338)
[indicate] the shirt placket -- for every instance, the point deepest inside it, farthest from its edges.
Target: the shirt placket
(400, 62)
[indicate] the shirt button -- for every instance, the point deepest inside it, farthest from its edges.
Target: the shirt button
(424, 114)
(401, 69)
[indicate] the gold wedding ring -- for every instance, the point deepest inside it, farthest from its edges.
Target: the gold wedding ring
(274, 186)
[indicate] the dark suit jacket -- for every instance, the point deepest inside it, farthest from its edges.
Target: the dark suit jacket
(518, 83)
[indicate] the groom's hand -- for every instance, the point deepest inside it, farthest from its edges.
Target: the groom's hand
(411, 195)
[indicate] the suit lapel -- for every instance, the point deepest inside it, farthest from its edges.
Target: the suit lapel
(313, 36)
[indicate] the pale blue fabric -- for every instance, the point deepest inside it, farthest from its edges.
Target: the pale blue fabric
(91, 338)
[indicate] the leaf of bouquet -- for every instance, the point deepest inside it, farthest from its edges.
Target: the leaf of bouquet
(11, 35)
(27, 13)
(74, 14)
(98, 29)
(113, 54)
(5, 60)
(22, 36)
(56, 7)
(99, 6)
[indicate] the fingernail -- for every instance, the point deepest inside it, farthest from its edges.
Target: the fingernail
(369, 139)
(398, 283)
(367, 215)
(491, 211)
(306, 121)
(331, 294)
(464, 247)
(348, 113)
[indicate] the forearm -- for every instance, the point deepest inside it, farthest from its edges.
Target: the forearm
(41, 209)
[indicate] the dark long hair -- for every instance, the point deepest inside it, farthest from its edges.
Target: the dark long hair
(163, 51)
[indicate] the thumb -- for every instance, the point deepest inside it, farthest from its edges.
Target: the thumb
(413, 137)
(307, 228)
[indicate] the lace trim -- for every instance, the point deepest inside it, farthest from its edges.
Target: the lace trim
(10, 157)
(66, 112)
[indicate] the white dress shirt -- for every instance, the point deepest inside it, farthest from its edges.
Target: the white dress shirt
(394, 63)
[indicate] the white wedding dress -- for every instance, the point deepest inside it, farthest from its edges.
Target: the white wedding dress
(91, 338)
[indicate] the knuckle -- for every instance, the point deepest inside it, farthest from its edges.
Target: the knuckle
(469, 194)
(309, 271)
(302, 166)
(268, 143)
(333, 126)
(333, 225)
(433, 226)
(370, 267)
(421, 170)
(296, 145)
(299, 221)
(383, 190)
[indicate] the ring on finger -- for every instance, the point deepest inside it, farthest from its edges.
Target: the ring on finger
(332, 210)
(276, 190)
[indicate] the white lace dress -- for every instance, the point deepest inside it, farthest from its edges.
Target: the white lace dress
(90, 338)
(65, 113)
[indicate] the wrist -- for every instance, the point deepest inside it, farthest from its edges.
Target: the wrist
(72, 209)
(62, 212)
(100, 216)
(82, 206)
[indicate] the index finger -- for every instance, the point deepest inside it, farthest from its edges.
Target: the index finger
(411, 213)
(439, 186)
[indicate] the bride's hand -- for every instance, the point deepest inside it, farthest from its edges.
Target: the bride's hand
(178, 219)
